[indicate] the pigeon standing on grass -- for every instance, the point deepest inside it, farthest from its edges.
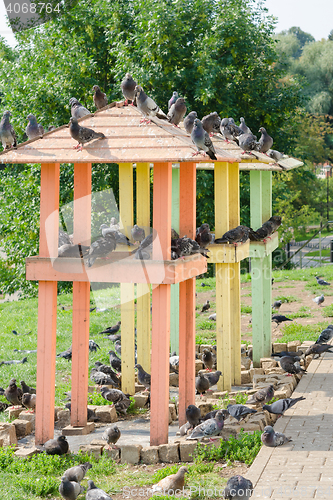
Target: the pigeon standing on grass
(177, 111)
(26, 388)
(319, 300)
(265, 141)
(147, 106)
(58, 446)
(82, 135)
(209, 428)
(100, 99)
(189, 121)
(70, 490)
(128, 88)
(78, 472)
(33, 128)
(281, 406)
(94, 493)
(321, 281)
(271, 438)
(201, 140)
(77, 109)
(7, 132)
(206, 306)
(172, 484)
(13, 393)
(238, 488)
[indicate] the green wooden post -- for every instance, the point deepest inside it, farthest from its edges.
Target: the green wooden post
(266, 187)
(174, 317)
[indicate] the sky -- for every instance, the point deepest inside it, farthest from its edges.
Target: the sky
(312, 16)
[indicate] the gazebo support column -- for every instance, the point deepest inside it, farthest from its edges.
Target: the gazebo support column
(266, 180)
(174, 320)
(187, 206)
(81, 298)
(159, 420)
(47, 304)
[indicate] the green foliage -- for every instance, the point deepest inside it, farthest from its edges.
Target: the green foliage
(295, 331)
(246, 309)
(206, 325)
(327, 311)
(287, 298)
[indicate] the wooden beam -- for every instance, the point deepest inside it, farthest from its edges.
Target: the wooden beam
(174, 319)
(266, 181)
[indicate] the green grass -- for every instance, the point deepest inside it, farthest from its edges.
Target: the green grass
(295, 331)
(327, 311)
(206, 325)
(246, 309)
(315, 253)
(286, 298)
(303, 312)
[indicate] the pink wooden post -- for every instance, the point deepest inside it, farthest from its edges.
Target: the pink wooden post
(81, 297)
(159, 419)
(47, 304)
(187, 209)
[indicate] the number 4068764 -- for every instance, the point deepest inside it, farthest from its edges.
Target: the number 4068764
(32, 8)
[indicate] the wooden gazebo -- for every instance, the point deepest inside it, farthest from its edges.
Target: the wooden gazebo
(131, 145)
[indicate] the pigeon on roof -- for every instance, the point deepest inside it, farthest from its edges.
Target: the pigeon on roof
(7, 132)
(201, 140)
(33, 129)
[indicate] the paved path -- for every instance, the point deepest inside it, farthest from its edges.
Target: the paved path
(302, 469)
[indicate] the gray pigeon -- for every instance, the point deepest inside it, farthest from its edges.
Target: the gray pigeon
(117, 397)
(244, 128)
(201, 383)
(262, 396)
(321, 281)
(147, 106)
(282, 405)
(177, 111)
(239, 411)
(69, 490)
(102, 378)
(138, 233)
(239, 234)
(289, 365)
(318, 349)
(58, 446)
(277, 304)
(208, 428)
(82, 135)
(213, 377)
(189, 121)
(225, 130)
(121, 239)
(272, 439)
(275, 155)
(207, 357)
(26, 388)
(94, 493)
(326, 335)
(201, 140)
(128, 88)
(7, 132)
(115, 362)
(296, 355)
(100, 99)
(319, 300)
(33, 128)
(101, 248)
(211, 123)
(238, 488)
(193, 415)
(111, 434)
(248, 142)
(77, 109)
(78, 472)
(173, 99)
(265, 141)
(143, 377)
(73, 251)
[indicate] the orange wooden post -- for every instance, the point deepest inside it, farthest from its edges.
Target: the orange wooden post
(81, 297)
(187, 210)
(159, 419)
(47, 304)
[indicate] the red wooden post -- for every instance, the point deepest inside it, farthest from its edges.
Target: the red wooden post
(47, 304)
(187, 209)
(81, 297)
(159, 419)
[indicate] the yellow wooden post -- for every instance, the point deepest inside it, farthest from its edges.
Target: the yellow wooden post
(143, 289)
(127, 289)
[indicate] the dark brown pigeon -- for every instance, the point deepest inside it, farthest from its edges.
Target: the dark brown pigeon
(203, 235)
(207, 359)
(193, 415)
(58, 446)
(239, 234)
(29, 401)
(291, 366)
(82, 135)
(100, 99)
(13, 393)
(206, 306)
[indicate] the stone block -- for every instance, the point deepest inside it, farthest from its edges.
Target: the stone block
(258, 371)
(106, 413)
(277, 347)
(130, 454)
(245, 363)
(205, 346)
(198, 366)
(186, 451)
(258, 419)
(280, 394)
(22, 428)
(230, 430)
(173, 379)
(268, 365)
(56, 411)
(276, 370)
(168, 453)
(246, 377)
(64, 418)
(70, 430)
(205, 408)
(31, 417)
(112, 453)
(140, 399)
(172, 411)
(139, 388)
(293, 346)
(94, 450)
(8, 434)
(249, 426)
(13, 412)
(149, 455)
(27, 452)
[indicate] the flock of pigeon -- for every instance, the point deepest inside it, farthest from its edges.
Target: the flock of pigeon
(199, 130)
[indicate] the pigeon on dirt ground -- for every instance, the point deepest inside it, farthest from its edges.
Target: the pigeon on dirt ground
(101, 247)
(193, 415)
(207, 359)
(265, 141)
(206, 306)
(211, 123)
(277, 304)
(172, 484)
(201, 383)
(239, 411)
(70, 490)
(147, 106)
(58, 446)
(203, 235)
(281, 406)
(82, 135)
(318, 349)
(239, 234)
(291, 366)
(279, 318)
(7, 132)
(189, 121)
(77, 109)
(326, 335)
(321, 281)
(262, 396)
(144, 378)
(128, 88)
(177, 112)
(120, 400)
(78, 472)
(238, 488)
(201, 140)
(244, 128)
(13, 393)
(319, 300)
(271, 438)
(213, 377)
(100, 99)
(173, 99)
(111, 435)
(33, 128)
(209, 428)
(94, 493)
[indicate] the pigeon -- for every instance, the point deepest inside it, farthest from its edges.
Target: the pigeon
(239, 234)
(296, 355)
(275, 155)
(3, 406)
(282, 405)
(244, 128)
(64, 239)
(208, 428)
(33, 128)
(117, 347)
(291, 366)
(13, 393)
(212, 317)
(274, 222)
(206, 306)
(211, 123)
(82, 135)
(189, 121)
(238, 488)
(147, 106)
(321, 282)
(29, 401)
(173, 99)
(213, 378)
(138, 233)
(66, 354)
(279, 318)
(93, 346)
(91, 415)
(101, 248)
(112, 337)
(117, 397)
(226, 130)
(235, 130)
(128, 88)
(173, 484)
(248, 142)
(111, 435)
(121, 239)
(177, 111)
(73, 251)
(94, 493)
(14, 361)
(319, 300)
(115, 362)
(174, 363)
(207, 359)
(102, 378)
(112, 329)
(183, 247)
(272, 439)
(193, 415)
(78, 472)
(145, 248)
(26, 388)
(7, 132)
(203, 235)
(277, 304)
(318, 349)
(100, 99)
(58, 446)
(326, 335)
(210, 414)
(265, 141)
(69, 490)
(239, 411)
(143, 377)
(262, 396)
(201, 140)
(77, 109)
(201, 383)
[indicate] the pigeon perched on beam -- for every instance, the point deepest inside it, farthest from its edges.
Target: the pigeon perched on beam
(282, 405)
(77, 109)
(82, 135)
(239, 234)
(33, 129)
(121, 239)
(203, 235)
(183, 247)
(238, 488)
(7, 132)
(209, 428)
(271, 438)
(138, 233)
(128, 88)
(244, 128)
(101, 247)
(248, 142)
(99, 98)
(202, 141)
(189, 121)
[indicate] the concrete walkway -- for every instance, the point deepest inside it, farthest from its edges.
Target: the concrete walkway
(302, 469)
